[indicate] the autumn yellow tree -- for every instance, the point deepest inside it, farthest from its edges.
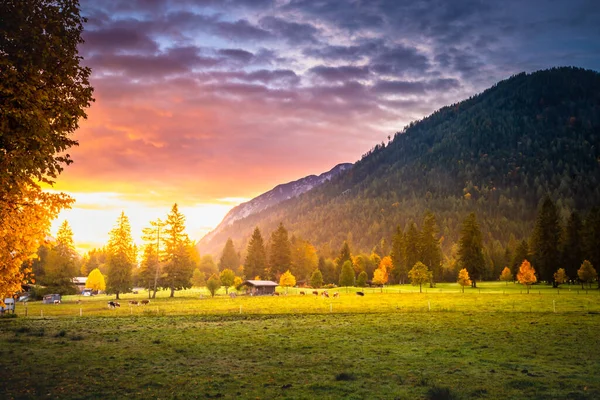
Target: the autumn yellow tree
(43, 94)
(287, 280)
(213, 284)
(464, 279)
(380, 276)
(95, 280)
(506, 275)
(526, 275)
(419, 274)
(587, 273)
(560, 276)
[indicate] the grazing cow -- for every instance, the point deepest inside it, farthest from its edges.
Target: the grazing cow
(117, 304)
(78, 301)
(232, 295)
(336, 294)
(302, 293)
(145, 302)
(316, 292)
(111, 304)
(134, 302)
(360, 294)
(325, 294)
(56, 301)
(275, 294)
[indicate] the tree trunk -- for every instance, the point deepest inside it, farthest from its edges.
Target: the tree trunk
(153, 294)
(118, 296)
(226, 289)
(474, 284)
(420, 288)
(172, 292)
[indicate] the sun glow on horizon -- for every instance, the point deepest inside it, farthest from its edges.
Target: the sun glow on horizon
(93, 216)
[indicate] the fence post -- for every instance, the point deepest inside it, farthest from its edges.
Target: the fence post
(80, 312)
(429, 304)
(554, 305)
(240, 308)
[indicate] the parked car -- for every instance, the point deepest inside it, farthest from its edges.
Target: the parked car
(87, 292)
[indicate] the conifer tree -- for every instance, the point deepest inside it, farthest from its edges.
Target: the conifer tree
(347, 274)
(229, 257)
(429, 246)
(304, 258)
(280, 252)
(316, 279)
(521, 254)
(60, 265)
(361, 281)
(573, 246)
(411, 246)
(399, 272)
(545, 241)
(256, 256)
(153, 256)
(470, 251)
(121, 257)
(592, 237)
(179, 264)
(344, 256)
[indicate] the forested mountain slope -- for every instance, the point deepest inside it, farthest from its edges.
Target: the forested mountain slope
(497, 153)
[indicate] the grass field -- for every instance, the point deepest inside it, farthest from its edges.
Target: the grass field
(496, 344)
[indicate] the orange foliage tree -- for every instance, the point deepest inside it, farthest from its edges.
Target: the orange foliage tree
(506, 275)
(526, 275)
(560, 276)
(463, 279)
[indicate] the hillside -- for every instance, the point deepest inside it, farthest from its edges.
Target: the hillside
(497, 153)
(268, 199)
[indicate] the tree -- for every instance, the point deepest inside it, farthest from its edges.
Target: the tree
(380, 276)
(506, 275)
(398, 256)
(229, 257)
(227, 278)
(237, 283)
(43, 94)
(304, 258)
(526, 275)
(179, 264)
(411, 245)
(198, 278)
(545, 240)
(429, 246)
(256, 256)
(560, 276)
(329, 270)
(470, 251)
(591, 237)
(60, 267)
(208, 266)
(361, 281)
(586, 273)
(521, 254)
(287, 280)
(344, 256)
(213, 284)
(419, 274)
(121, 257)
(316, 279)
(280, 253)
(464, 279)
(573, 245)
(347, 274)
(154, 255)
(95, 280)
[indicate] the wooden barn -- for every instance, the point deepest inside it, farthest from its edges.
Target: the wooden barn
(260, 288)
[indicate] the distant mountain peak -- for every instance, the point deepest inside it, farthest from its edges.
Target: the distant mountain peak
(274, 196)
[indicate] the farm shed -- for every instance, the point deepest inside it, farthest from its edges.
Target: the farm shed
(259, 288)
(79, 282)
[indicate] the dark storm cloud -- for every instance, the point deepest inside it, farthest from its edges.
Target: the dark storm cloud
(119, 38)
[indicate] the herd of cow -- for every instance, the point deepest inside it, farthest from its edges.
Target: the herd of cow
(115, 304)
(324, 293)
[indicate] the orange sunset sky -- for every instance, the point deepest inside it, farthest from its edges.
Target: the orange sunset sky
(210, 103)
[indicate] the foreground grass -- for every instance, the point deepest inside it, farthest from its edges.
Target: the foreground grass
(381, 346)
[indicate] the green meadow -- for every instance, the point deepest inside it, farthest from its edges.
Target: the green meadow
(494, 343)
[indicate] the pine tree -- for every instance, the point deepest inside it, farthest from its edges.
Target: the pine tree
(470, 251)
(521, 254)
(280, 252)
(229, 258)
(592, 237)
(411, 246)
(400, 272)
(545, 241)
(179, 264)
(347, 274)
(256, 256)
(121, 257)
(304, 258)
(429, 246)
(572, 248)
(316, 279)
(153, 256)
(344, 256)
(60, 264)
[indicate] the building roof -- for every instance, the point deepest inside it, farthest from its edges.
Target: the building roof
(81, 280)
(260, 283)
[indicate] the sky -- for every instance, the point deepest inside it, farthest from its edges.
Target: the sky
(210, 103)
